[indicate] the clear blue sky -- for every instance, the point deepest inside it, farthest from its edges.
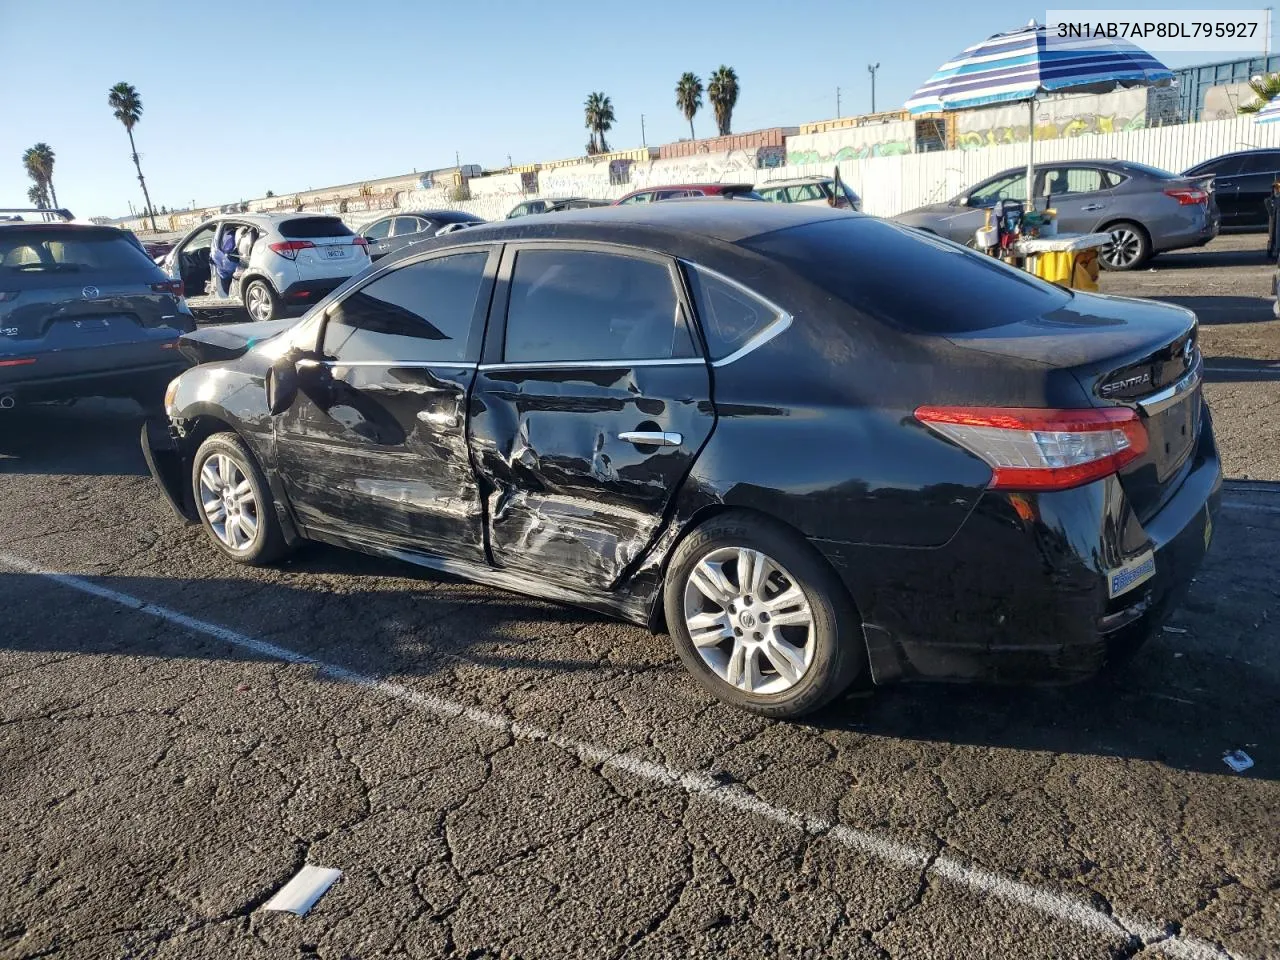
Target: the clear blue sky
(241, 98)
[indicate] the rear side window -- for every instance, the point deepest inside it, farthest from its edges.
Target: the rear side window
(730, 315)
(309, 228)
(907, 278)
(69, 251)
(574, 305)
(421, 313)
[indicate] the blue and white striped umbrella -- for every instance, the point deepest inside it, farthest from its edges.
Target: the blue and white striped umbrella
(1024, 63)
(1270, 113)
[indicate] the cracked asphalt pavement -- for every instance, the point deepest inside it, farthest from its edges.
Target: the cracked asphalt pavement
(501, 777)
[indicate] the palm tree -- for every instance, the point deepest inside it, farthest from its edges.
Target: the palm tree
(689, 98)
(124, 100)
(39, 163)
(38, 198)
(723, 94)
(599, 114)
(1265, 88)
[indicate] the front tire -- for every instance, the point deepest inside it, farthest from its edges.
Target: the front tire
(1130, 247)
(234, 502)
(760, 619)
(260, 301)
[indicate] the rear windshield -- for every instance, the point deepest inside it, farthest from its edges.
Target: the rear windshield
(309, 228)
(61, 250)
(907, 278)
(1149, 171)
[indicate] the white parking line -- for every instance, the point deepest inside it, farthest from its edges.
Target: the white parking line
(1155, 935)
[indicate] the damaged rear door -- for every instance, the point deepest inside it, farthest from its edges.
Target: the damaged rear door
(591, 407)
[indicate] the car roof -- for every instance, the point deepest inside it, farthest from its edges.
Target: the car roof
(666, 227)
(792, 182)
(270, 218)
(60, 225)
(694, 186)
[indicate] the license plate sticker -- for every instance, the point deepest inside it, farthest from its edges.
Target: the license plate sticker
(335, 253)
(1137, 571)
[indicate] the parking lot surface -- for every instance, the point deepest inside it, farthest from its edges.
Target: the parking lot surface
(501, 777)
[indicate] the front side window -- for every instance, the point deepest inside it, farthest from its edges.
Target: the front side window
(202, 239)
(1011, 187)
(1262, 163)
(379, 231)
(575, 305)
(730, 315)
(776, 195)
(639, 198)
(421, 313)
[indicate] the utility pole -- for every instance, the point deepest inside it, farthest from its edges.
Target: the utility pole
(643, 141)
(837, 103)
(871, 69)
(1266, 49)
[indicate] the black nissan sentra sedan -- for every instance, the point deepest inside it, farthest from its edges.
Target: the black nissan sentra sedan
(818, 447)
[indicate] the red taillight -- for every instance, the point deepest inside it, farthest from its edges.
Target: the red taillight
(1188, 196)
(169, 286)
(289, 248)
(17, 363)
(360, 241)
(1034, 449)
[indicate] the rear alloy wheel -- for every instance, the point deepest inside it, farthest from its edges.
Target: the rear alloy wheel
(234, 502)
(261, 301)
(1129, 247)
(760, 619)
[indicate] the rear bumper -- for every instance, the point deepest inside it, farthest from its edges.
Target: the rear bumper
(1193, 236)
(66, 375)
(310, 291)
(1021, 593)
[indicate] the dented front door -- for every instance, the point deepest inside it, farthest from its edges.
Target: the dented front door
(580, 455)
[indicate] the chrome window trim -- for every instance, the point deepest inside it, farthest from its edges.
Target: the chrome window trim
(591, 364)
(455, 364)
(782, 319)
(1170, 395)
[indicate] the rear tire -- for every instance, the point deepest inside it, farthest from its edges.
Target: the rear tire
(234, 502)
(776, 632)
(1130, 247)
(260, 301)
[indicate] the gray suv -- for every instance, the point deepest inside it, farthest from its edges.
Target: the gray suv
(85, 312)
(1146, 211)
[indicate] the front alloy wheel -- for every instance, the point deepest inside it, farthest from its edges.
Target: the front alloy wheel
(227, 502)
(234, 501)
(749, 621)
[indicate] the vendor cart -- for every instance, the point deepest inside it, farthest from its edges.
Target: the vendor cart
(1070, 260)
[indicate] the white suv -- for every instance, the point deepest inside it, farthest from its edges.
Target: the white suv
(269, 262)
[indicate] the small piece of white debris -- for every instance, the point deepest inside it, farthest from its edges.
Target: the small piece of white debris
(1238, 760)
(301, 893)
(1175, 630)
(1176, 656)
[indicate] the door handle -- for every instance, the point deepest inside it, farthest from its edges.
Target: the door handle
(1094, 206)
(651, 438)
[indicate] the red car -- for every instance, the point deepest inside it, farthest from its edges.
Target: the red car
(650, 194)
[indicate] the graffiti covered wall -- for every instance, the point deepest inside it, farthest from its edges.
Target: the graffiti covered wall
(1066, 116)
(852, 143)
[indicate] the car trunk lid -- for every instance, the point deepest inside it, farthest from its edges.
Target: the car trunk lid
(1136, 353)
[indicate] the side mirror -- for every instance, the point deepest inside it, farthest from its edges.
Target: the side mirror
(962, 201)
(282, 384)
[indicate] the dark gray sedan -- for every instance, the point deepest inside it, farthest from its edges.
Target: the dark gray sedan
(1146, 211)
(409, 226)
